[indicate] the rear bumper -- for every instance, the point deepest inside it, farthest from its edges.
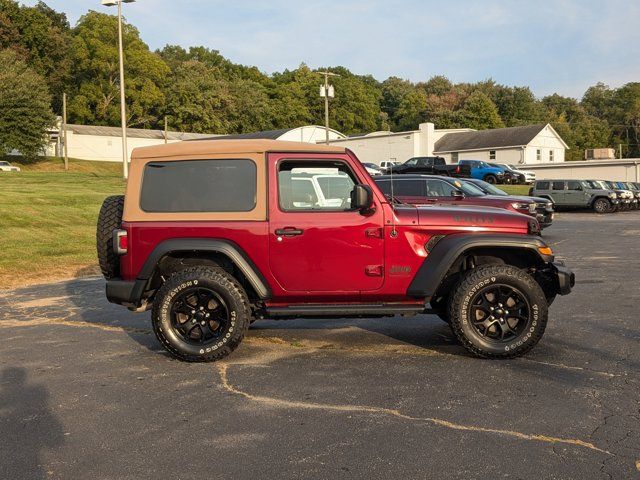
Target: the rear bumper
(122, 292)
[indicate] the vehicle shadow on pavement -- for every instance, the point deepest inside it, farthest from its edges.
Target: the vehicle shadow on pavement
(27, 424)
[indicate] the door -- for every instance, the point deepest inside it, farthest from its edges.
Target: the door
(317, 243)
(575, 194)
(557, 193)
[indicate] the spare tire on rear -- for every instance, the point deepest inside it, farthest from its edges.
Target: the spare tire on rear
(109, 219)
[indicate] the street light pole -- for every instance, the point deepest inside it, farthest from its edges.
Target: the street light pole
(123, 107)
(326, 91)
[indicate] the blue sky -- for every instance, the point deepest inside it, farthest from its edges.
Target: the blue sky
(559, 46)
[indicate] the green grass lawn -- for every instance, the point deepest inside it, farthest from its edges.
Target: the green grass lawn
(515, 189)
(48, 218)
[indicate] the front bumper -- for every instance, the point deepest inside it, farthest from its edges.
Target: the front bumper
(565, 278)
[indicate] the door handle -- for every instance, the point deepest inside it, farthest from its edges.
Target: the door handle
(289, 232)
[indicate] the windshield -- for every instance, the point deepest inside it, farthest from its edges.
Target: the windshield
(468, 188)
(488, 188)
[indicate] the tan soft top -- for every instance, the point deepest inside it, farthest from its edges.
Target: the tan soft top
(206, 147)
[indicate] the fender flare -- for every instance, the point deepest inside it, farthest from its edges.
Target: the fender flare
(596, 197)
(440, 259)
(225, 247)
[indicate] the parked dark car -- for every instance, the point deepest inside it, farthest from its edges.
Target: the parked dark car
(544, 207)
(510, 175)
(438, 190)
(432, 166)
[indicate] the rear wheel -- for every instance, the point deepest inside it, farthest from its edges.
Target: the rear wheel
(602, 205)
(498, 311)
(491, 179)
(109, 219)
(200, 314)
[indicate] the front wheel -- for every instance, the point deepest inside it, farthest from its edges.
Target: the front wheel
(492, 179)
(498, 311)
(200, 314)
(602, 205)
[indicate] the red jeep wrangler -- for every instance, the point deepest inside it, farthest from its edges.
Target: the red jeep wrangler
(214, 234)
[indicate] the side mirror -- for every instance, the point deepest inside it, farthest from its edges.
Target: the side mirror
(457, 194)
(361, 198)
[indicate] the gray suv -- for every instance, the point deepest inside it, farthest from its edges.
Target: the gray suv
(576, 194)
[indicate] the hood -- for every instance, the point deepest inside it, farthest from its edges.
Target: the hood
(465, 218)
(526, 198)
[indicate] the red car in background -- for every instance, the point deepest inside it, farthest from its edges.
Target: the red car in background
(437, 190)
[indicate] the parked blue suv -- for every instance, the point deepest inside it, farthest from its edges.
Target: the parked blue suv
(483, 171)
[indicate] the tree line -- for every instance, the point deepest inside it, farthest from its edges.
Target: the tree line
(199, 90)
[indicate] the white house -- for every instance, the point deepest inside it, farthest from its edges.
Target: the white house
(530, 144)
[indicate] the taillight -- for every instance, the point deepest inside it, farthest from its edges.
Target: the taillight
(458, 169)
(120, 241)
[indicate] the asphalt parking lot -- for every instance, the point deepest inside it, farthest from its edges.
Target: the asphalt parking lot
(87, 392)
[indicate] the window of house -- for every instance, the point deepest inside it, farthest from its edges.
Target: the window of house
(551, 155)
(454, 157)
(199, 186)
(492, 154)
(558, 185)
(311, 185)
(539, 155)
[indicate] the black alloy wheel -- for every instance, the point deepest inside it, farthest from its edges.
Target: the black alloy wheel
(199, 315)
(499, 313)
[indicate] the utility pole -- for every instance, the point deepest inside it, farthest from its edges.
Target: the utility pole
(64, 131)
(166, 133)
(620, 150)
(123, 107)
(327, 91)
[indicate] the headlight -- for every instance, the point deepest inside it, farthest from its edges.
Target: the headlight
(530, 207)
(613, 195)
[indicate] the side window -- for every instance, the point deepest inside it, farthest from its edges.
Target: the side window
(539, 155)
(573, 185)
(438, 188)
(408, 188)
(542, 186)
(454, 157)
(551, 155)
(558, 185)
(384, 186)
(199, 186)
(310, 185)
(492, 154)
(412, 161)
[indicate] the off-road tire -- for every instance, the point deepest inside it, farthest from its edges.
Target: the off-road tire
(223, 285)
(109, 219)
(481, 277)
(492, 179)
(602, 205)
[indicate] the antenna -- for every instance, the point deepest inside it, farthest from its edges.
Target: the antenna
(394, 232)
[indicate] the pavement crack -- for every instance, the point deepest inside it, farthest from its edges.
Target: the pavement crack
(281, 403)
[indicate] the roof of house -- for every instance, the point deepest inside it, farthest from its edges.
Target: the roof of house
(226, 146)
(484, 139)
(134, 132)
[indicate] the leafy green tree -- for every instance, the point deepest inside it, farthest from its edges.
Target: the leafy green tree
(480, 112)
(393, 92)
(25, 106)
(95, 98)
(438, 85)
(41, 36)
(517, 105)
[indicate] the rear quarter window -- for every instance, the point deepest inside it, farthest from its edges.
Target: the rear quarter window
(227, 185)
